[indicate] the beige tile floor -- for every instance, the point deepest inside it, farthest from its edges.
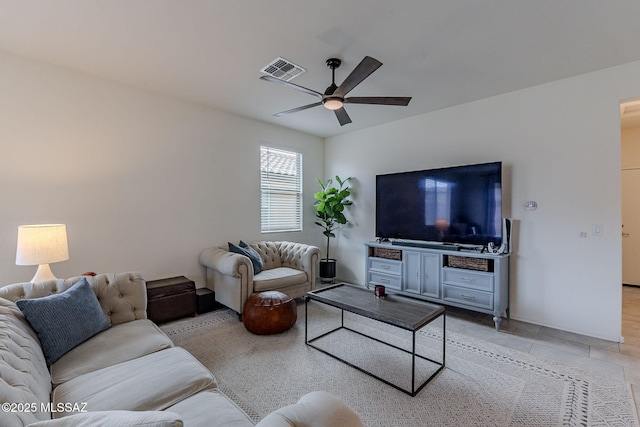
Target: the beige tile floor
(614, 359)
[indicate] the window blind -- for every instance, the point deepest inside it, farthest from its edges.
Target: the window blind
(281, 190)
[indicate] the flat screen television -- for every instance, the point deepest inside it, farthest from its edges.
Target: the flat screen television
(457, 205)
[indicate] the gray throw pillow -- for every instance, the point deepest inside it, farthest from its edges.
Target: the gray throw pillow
(256, 259)
(64, 320)
(243, 249)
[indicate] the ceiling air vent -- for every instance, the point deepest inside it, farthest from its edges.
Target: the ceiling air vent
(282, 69)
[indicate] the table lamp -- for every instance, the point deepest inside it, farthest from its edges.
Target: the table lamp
(41, 245)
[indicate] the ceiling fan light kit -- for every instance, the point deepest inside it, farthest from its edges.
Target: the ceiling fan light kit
(332, 103)
(334, 96)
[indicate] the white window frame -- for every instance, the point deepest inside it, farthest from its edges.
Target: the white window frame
(280, 190)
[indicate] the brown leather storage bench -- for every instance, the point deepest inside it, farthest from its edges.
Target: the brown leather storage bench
(171, 298)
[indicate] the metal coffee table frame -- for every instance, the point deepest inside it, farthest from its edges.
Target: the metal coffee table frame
(403, 322)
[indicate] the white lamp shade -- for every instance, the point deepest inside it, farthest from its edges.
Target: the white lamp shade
(42, 244)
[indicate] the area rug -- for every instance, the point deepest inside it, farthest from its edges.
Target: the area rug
(483, 384)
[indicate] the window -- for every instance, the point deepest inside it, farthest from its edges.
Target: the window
(281, 190)
(437, 201)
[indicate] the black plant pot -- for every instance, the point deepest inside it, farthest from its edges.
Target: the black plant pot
(327, 269)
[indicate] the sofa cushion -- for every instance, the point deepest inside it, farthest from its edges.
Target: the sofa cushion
(116, 419)
(62, 321)
(250, 253)
(277, 278)
(24, 377)
(119, 343)
(199, 409)
(148, 383)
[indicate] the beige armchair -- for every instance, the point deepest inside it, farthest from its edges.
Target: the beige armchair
(288, 267)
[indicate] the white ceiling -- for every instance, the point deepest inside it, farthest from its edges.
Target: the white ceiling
(440, 52)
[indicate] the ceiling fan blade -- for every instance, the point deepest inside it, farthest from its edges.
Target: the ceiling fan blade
(342, 116)
(295, 110)
(379, 100)
(292, 86)
(367, 66)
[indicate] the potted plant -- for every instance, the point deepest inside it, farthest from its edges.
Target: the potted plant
(330, 204)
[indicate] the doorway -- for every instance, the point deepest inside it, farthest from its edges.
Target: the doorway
(630, 226)
(630, 179)
(630, 195)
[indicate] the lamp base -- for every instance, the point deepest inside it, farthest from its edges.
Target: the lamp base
(43, 273)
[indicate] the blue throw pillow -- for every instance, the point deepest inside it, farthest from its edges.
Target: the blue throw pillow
(62, 321)
(252, 254)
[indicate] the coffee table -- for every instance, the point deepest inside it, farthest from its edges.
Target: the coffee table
(399, 312)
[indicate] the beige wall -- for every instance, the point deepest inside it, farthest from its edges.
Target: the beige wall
(560, 146)
(143, 182)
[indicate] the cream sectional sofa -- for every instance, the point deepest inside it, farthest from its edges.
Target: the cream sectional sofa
(128, 375)
(289, 267)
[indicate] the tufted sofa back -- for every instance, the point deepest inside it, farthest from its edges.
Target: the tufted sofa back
(280, 254)
(24, 377)
(270, 253)
(291, 255)
(122, 296)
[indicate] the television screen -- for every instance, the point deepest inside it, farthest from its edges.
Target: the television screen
(460, 204)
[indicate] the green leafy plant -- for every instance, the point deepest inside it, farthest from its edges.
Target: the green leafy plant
(330, 204)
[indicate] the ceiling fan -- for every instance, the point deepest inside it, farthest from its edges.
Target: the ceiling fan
(334, 97)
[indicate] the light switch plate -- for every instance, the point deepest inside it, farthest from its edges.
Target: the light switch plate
(597, 229)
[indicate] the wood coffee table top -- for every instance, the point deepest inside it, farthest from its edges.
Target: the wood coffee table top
(392, 309)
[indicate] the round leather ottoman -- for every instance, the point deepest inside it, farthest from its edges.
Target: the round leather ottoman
(269, 312)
